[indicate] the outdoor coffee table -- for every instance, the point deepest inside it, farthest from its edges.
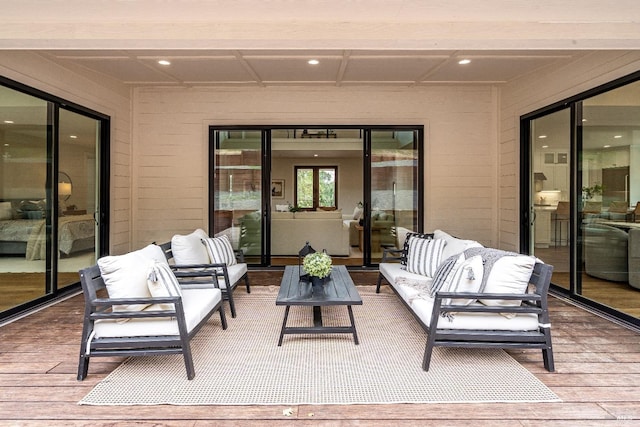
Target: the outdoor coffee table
(339, 289)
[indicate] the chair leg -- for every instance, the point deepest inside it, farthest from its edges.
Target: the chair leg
(223, 317)
(232, 304)
(379, 282)
(188, 359)
(547, 357)
(246, 282)
(83, 367)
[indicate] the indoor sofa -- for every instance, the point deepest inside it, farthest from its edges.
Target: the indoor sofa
(475, 296)
(322, 229)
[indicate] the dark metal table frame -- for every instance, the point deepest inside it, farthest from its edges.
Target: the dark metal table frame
(339, 289)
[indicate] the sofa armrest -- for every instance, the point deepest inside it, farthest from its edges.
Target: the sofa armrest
(391, 254)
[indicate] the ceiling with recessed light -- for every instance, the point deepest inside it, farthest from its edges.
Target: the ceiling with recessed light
(287, 67)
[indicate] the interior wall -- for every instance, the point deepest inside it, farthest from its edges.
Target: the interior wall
(171, 146)
(97, 93)
(536, 91)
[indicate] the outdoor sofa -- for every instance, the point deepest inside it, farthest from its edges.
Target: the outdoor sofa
(465, 295)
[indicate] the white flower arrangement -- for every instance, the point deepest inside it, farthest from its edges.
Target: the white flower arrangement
(317, 264)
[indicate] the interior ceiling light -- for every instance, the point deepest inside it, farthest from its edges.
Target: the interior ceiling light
(607, 146)
(618, 136)
(9, 122)
(545, 146)
(315, 155)
(164, 62)
(73, 136)
(542, 136)
(464, 61)
(313, 62)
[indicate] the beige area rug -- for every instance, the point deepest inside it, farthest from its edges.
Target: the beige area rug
(244, 366)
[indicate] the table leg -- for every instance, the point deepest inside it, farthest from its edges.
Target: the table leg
(284, 325)
(317, 316)
(353, 325)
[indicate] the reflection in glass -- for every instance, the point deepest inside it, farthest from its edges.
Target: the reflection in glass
(238, 191)
(551, 141)
(23, 203)
(609, 261)
(394, 189)
(77, 194)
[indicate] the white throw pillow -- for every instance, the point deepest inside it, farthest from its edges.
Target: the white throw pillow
(163, 283)
(5, 210)
(509, 275)
(188, 249)
(357, 212)
(465, 276)
(424, 255)
(125, 276)
(454, 245)
(220, 250)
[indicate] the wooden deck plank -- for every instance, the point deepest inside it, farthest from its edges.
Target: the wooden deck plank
(597, 362)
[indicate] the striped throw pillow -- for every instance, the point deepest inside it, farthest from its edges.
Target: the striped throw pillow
(423, 255)
(163, 283)
(405, 246)
(220, 250)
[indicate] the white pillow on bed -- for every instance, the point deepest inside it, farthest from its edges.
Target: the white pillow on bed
(5, 210)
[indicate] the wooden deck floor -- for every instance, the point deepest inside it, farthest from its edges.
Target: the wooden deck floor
(597, 378)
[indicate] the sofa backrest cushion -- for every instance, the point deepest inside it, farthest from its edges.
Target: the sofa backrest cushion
(125, 276)
(318, 215)
(281, 215)
(424, 255)
(188, 249)
(454, 245)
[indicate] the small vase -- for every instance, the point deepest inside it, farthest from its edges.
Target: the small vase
(317, 285)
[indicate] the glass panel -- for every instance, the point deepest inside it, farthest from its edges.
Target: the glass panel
(394, 189)
(304, 188)
(550, 142)
(610, 175)
(23, 207)
(77, 194)
(238, 191)
(327, 187)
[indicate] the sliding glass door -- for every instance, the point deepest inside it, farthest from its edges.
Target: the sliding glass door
(351, 191)
(51, 187)
(394, 190)
(582, 195)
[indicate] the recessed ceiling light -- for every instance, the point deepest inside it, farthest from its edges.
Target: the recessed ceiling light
(542, 136)
(9, 122)
(464, 61)
(618, 136)
(164, 62)
(6, 144)
(584, 120)
(606, 146)
(73, 136)
(545, 146)
(315, 155)
(313, 62)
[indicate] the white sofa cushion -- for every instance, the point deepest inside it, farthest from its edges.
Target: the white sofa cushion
(220, 250)
(188, 249)
(474, 321)
(125, 276)
(454, 245)
(163, 283)
(197, 304)
(235, 273)
(509, 275)
(423, 255)
(402, 280)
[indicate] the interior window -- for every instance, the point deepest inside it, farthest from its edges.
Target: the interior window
(316, 187)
